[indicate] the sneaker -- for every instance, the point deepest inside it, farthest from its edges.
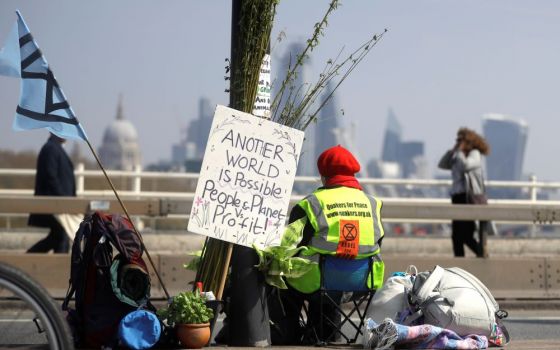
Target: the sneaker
(379, 336)
(367, 333)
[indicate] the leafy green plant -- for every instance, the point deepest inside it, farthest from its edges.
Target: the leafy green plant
(187, 307)
(278, 263)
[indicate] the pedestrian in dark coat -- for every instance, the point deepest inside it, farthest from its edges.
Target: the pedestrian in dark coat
(54, 177)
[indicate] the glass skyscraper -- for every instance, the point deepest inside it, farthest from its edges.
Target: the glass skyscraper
(408, 155)
(507, 138)
(392, 139)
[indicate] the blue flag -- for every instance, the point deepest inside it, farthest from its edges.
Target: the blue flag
(42, 103)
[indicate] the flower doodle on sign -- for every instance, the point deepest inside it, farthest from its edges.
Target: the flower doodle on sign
(283, 135)
(230, 121)
(195, 216)
(201, 212)
(205, 208)
(273, 237)
(269, 222)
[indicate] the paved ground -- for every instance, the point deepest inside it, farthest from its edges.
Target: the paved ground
(534, 324)
(525, 345)
(530, 329)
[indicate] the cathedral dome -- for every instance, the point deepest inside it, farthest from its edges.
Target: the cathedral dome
(120, 131)
(120, 149)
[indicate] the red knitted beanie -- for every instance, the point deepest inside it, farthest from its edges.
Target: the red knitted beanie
(337, 160)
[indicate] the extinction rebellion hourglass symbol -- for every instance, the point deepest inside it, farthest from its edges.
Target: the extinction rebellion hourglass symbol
(349, 231)
(349, 239)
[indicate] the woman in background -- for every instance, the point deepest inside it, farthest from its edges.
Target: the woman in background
(464, 160)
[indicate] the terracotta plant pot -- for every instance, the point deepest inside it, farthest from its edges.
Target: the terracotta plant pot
(193, 336)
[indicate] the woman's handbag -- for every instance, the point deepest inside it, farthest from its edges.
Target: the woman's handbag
(472, 196)
(476, 198)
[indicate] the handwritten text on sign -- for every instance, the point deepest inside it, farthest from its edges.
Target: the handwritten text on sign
(246, 180)
(262, 101)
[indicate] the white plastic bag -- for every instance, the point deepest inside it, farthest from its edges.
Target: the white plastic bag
(390, 299)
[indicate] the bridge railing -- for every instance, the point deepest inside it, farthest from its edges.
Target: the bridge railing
(540, 212)
(136, 177)
(177, 202)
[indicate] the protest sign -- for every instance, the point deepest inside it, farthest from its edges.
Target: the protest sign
(262, 101)
(246, 179)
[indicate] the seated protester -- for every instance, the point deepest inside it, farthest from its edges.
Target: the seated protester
(342, 221)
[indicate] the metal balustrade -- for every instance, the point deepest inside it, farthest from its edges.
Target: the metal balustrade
(137, 176)
(15, 202)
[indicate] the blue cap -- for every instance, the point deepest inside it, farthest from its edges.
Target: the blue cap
(139, 329)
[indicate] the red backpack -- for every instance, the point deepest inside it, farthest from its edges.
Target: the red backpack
(107, 288)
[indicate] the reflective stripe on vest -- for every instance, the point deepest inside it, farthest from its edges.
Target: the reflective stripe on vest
(370, 226)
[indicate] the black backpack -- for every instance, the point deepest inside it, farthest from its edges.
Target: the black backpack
(106, 288)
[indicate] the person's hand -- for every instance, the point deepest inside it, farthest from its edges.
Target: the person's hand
(457, 146)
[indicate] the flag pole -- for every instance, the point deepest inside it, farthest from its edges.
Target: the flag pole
(64, 104)
(129, 218)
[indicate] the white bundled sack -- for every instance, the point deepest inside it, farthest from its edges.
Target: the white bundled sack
(390, 299)
(454, 299)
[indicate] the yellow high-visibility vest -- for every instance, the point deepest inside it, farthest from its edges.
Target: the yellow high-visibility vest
(347, 222)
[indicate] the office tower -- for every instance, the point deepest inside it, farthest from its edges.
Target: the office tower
(298, 86)
(285, 63)
(199, 128)
(327, 123)
(392, 138)
(409, 155)
(188, 153)
(507, 138)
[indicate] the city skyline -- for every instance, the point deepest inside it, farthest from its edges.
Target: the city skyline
(437, 67)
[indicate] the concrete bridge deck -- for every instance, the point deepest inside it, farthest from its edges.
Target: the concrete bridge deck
(514, 278)
(516, 268)
(181, 242)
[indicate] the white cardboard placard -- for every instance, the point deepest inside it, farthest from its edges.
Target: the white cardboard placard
(262, 100)
(243, 192)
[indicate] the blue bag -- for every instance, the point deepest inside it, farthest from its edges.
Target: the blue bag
(139, 329)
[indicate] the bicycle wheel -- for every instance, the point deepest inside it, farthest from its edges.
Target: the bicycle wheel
(28, 315)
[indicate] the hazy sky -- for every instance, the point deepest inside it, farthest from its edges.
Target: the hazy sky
(442, 65)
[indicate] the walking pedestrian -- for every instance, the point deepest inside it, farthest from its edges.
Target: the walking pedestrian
(54, 177)
(464, 160)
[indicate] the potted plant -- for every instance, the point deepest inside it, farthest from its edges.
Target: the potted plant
(190, 317)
